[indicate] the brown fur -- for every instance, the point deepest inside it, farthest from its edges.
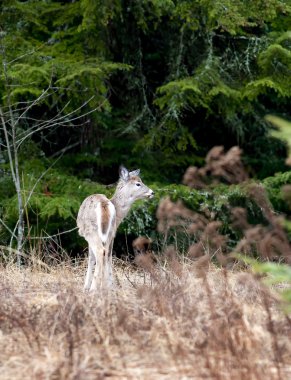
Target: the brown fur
(135, 178)
(105, 216)
(141, 245)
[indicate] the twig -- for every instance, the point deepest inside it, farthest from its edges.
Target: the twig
(65, 149)
(8, 229)
(52, 236)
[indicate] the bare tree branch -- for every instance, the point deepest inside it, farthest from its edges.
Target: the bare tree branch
(7, 228)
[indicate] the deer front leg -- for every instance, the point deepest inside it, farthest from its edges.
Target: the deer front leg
(108, 267)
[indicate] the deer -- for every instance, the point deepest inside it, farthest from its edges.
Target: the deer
(98, 220)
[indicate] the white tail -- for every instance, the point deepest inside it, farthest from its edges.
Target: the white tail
(98, 220)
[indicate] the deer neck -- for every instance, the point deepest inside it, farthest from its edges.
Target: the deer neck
(122, 204)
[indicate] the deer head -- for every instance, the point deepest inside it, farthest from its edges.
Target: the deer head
(131, 185)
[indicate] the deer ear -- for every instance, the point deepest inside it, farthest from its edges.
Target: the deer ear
(134, 172)
(123, 173)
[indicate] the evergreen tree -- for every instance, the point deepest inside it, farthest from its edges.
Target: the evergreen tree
(150, 83)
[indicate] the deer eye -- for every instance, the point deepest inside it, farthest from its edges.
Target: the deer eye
(138, 184)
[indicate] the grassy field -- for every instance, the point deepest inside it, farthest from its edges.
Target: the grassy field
(185, 321)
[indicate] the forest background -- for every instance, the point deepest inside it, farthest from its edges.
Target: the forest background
(89, 85)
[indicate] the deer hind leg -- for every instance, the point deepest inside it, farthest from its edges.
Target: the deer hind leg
(98, 276)
(90, 269)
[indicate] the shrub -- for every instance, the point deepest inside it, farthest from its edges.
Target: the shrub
(53, 205)
(274, 186)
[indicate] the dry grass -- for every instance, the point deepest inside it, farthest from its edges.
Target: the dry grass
(189, 321)
(180, 320)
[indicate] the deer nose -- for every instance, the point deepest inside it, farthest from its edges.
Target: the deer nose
(150, 193)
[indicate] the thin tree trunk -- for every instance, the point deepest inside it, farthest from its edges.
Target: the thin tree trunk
(14, 167)
(14, 164)
(20, 228)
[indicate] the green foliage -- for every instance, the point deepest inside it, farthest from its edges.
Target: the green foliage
(269, 158)
(276, 274)
(274, 185)
(62, 207)
(283, 129)
(150, 83)
(50, 50)
(275, 64)
(6, 186)
(52, 200)
(168, 78)
(219, 202)
(233, 84)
